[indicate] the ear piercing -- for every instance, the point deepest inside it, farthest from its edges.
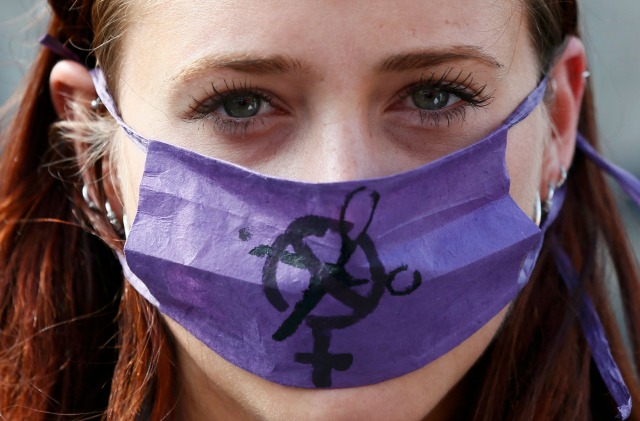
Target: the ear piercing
(111, 215)
(553, 85)
(548, 203)
(96, 103)
(563, 177)
(537, 210)
(87, 199)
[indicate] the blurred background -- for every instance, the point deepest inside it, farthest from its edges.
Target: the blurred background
(612, 36)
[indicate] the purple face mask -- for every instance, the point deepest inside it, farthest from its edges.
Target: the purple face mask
(330, 285)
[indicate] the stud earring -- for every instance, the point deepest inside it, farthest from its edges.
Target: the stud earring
(96, 103)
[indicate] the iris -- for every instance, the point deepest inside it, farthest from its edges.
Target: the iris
(242, 105)
(430, 99)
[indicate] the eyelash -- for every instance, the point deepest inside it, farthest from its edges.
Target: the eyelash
(205, 110)
(471, 95)
(462, 86)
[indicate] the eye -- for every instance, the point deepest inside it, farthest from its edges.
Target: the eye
(234, 103)
(428, 98)
(236, 110)
(437, 98)
(242, 105)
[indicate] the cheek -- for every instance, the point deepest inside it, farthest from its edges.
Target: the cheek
(525, 148)
(130, 168)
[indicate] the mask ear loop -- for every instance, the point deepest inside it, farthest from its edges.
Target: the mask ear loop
(58, 48)
(54, 45)
(589, 320)
(594, 334)
(588, 316)
(627, 181)
(107, 101)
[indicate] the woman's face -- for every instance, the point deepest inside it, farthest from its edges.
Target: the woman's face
(327, 91)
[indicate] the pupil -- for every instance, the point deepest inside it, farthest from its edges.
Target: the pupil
(242, 106)
(430, 99)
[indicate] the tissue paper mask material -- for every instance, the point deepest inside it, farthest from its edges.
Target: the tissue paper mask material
(330, 285)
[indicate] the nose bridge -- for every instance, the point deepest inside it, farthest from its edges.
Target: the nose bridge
(341, 143)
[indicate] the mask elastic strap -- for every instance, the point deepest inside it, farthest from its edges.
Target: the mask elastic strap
(591, 324)
(107, 100)
(627, 182)
(589, 320)
(135, 281)
(100, 84)
(58, 48)
(594, 334)
(527, 106)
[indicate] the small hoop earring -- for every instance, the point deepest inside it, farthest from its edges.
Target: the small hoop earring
(563, 177)
(537, 210)
(87, 199)
(111, 215)
(552, 188)
(548, 203)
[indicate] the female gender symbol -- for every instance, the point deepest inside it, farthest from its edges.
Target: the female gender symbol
(327, 278)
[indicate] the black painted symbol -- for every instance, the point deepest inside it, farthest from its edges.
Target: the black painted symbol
(327, 278)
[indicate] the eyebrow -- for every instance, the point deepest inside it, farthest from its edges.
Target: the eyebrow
(244, 63)
(280, 64)
(430, 58)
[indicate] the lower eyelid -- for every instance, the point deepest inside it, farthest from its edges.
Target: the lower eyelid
(450, 116)
(258, 125)
(434, 119)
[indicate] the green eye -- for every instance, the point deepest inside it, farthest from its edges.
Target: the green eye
(242, 105)
(432, 99)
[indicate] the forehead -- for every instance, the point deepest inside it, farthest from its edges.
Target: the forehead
(328, 34)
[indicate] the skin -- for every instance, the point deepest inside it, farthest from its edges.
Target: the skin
(333, 118)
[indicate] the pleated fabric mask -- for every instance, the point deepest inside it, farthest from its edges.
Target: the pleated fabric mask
(336, 284)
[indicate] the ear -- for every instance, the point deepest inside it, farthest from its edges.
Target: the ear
(567, 82)
(70, 81)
